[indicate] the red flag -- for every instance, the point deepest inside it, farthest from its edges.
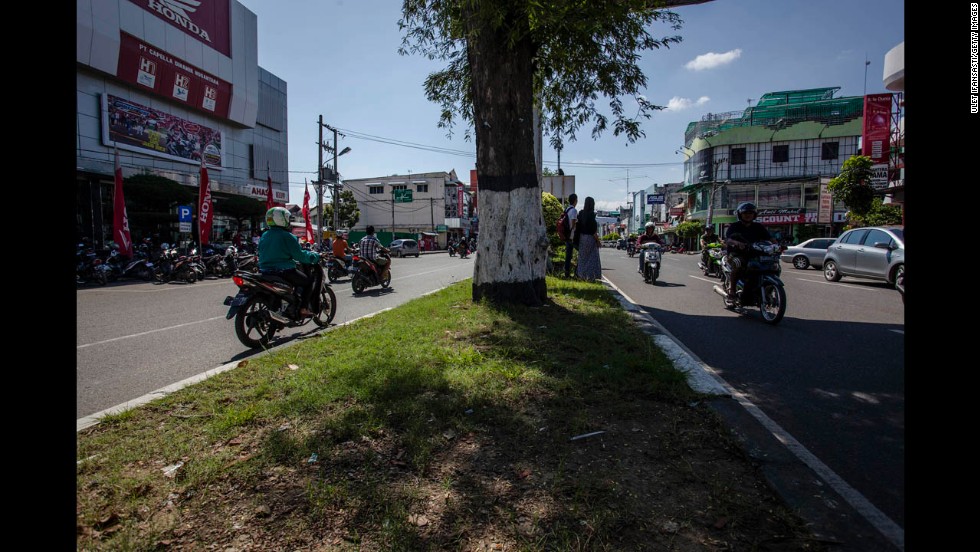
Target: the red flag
(120, 222)
(204, 217)
(306, 213)
(269, 202)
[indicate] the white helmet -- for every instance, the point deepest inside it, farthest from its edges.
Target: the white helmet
(649, 225)
(277, 216)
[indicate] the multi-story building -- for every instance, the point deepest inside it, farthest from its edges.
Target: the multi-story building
(778, 154)
(414, 204)
(166, 86)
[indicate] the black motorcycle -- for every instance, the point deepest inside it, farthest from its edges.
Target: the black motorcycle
(631, 248)
(336, 269)
(365, 274)
(266, 304)
(759, 285)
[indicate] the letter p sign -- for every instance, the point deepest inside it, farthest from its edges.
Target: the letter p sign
(185, 213)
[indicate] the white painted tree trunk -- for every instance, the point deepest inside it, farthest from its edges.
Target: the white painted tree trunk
(512, 246)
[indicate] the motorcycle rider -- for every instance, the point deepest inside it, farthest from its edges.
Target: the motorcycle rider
(649, 235)
(709, 236)
(341, 250)
(739, 237)
(369, 249)
(279, 250)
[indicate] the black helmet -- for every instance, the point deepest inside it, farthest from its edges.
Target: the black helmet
(745, 207)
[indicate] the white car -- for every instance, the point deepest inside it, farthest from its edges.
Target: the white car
(404, 248)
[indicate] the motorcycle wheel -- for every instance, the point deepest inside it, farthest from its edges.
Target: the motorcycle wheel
(253, 326)
(387, 281)
(654, 276)
(335, 273)
(328, 308)
(357, 285)
(101, 278)
(773, 304)
(145, 274)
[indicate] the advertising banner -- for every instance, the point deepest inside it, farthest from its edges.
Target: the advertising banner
(874, 135)
(826, 207)
(206, 21)
(781, 216)
(135, 127)
(170, 77)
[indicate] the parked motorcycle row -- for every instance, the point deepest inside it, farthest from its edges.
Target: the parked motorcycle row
(163, 264)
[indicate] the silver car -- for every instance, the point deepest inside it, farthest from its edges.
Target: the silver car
(876, 252)
(404, 248)
(807, 254)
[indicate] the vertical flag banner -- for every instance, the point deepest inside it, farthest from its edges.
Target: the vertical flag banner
(877, 117)
(269, 202)
(306, 213)
(204, 217)
(120, 222)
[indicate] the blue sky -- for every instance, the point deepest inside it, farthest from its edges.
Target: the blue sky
(340, 59)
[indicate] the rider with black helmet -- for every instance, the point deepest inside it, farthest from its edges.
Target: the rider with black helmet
(739, 236)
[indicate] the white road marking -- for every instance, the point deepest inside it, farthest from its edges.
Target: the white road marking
(899, 331)
(862, 505)
(213, 318)
(148, 332)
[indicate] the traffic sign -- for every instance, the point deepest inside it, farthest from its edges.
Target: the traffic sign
(403, 196)
(184, 218)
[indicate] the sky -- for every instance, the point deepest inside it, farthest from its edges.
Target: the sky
(340, 59)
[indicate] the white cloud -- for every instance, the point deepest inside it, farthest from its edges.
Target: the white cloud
(608, 204)
(677, 103)
(712, 60)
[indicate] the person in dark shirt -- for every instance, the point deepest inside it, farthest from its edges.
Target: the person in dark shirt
(739, 237)
(649, 235)
(709, 236)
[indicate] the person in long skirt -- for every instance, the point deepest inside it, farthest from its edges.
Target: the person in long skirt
(588, 243)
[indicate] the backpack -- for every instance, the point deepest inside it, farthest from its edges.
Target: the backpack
(563, 226)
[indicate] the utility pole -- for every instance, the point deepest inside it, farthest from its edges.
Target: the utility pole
(319, 187)
(336, 185)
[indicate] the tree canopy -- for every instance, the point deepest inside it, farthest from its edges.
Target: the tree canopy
(852, 186)
(348, 213)
(581, 50)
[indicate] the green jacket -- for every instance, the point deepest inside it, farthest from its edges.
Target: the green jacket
(279, 250)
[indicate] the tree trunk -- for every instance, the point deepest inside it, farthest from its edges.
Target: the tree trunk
(512, 253)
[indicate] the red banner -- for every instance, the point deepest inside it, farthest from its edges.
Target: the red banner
(306, 213)
(204, 217)
(170, 77)
(874, 135)
(120, 222)
(208, 22)
(269, 201)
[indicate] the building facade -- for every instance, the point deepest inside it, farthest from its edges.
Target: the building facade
(779, 154)
(166, 86)
(415, 204)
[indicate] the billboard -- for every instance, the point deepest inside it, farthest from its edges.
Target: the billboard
(165, 75)
(207, 21)
(877, 124)
(136, 127)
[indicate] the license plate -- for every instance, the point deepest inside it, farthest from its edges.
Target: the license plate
(766, 258)
(236, 301)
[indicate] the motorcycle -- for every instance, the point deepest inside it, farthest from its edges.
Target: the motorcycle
(715, 252)
(89, 267)
(631, 249)
(463, 251)
(336, 268)
(759, 285)
(651, 262)
(900, 282)
(266, 304)
(365, 274)
(452, 250)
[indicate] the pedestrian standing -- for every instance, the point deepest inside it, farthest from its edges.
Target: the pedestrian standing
(569, 243)
(586, 237)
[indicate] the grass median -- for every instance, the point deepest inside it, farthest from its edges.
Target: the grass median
(439, 425)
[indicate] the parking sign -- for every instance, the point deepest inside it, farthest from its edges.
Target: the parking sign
(184, 215)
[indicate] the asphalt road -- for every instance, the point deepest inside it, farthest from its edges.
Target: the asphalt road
(134, 338)
(831, 373)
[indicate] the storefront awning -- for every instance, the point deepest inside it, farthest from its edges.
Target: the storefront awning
(693, 187)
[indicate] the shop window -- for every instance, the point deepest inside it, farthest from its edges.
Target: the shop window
(780, 154)
(829, 151)
(738, 156)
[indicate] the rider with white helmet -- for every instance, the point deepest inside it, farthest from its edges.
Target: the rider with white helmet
(279, 251)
